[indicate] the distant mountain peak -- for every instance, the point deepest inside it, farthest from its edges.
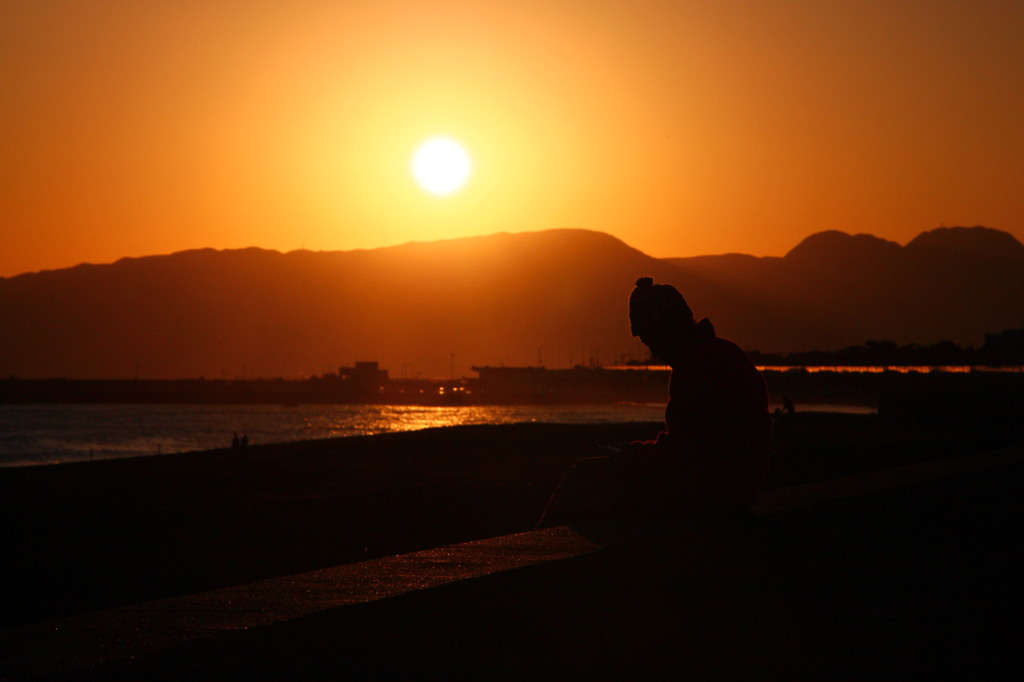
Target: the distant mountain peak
(831, 245)
(975, 241)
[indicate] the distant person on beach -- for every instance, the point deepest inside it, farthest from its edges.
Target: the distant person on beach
(713, 454)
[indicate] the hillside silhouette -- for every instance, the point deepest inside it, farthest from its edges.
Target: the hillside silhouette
(838, 289)
(556, 297)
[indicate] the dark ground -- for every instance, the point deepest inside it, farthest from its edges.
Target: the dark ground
(922, 581)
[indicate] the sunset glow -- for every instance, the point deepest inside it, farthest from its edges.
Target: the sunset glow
(441, 165)
(682, 128)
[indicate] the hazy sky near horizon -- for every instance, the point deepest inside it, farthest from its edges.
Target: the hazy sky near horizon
(682, 127)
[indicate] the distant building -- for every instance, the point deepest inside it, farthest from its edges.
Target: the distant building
(364, 373)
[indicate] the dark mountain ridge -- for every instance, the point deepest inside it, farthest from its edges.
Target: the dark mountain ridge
(946, 284)
(252, 312)
(557, 297)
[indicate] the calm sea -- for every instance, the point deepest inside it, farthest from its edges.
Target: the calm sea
(45, 434)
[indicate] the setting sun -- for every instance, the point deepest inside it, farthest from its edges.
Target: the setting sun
(441, 165)
(358, 125)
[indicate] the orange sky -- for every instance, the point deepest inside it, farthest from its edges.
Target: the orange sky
(685, 127)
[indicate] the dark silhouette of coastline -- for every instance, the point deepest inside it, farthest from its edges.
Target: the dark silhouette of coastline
(520, 385)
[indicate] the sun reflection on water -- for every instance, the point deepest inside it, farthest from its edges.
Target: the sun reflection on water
(38, 434)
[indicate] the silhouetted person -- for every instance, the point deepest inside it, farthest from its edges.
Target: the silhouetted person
(709, 461)
(235, 443)
(787, 405)
(244, 442)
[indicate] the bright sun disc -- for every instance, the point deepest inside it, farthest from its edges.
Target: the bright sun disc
(441, 165)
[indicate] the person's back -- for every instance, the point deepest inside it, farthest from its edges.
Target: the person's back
(713, 455)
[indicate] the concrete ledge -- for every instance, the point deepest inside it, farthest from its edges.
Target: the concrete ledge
(87, 640)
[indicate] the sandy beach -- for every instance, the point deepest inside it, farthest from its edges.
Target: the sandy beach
(88, 535)
(82, 537)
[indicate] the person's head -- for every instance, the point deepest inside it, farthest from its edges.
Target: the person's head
(659, 317)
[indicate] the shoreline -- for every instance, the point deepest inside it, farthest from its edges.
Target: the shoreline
(91, 535)
(44, 434)
(88, 535)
